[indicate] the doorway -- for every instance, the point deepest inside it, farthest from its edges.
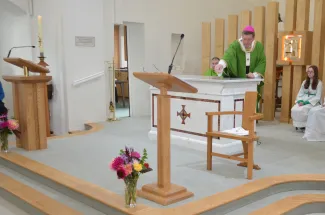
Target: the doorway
(121, 71)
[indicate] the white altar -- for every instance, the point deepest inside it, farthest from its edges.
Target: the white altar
(188, 119)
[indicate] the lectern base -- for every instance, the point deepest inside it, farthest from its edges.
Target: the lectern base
(164, 196)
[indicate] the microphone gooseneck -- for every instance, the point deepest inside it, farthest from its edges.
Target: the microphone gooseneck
(171, 65)
(17, 47)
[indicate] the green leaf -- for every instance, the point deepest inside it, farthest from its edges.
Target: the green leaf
(144, 157)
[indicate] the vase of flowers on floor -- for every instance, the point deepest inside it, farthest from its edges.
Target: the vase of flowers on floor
(7, 127)
(129, 165)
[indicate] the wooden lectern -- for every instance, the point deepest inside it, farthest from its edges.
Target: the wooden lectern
(164, 192)
(29, 104)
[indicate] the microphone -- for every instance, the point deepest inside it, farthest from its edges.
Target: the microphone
(18, 47)
(171, 65)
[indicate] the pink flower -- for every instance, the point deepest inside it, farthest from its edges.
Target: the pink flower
(13, 124)
(135, 155)
(121, 172)
(116, 163)
(128, 169)
(4, 124)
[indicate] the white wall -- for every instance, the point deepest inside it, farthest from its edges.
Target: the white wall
(24, 5)
(14, 31)
(123, 62)
(86, 102)
(139, 94)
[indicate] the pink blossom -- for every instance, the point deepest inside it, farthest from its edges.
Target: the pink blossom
(4, 124)
(116, 163)
(128, 169)
(135, 155)
(13, 124)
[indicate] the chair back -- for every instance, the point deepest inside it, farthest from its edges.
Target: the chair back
(249, 109)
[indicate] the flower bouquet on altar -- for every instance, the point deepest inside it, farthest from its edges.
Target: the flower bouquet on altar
(128, 166)
(7, 127)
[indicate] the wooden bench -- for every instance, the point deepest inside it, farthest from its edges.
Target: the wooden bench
(34, 198)
(288, 204)
(249, 116)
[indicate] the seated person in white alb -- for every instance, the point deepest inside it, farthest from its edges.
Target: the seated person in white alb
(315, 127)
(308, 97)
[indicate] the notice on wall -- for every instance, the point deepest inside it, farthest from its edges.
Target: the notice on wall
(85, 41)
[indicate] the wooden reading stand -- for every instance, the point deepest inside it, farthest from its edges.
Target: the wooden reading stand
(164, 192)
(29, 104)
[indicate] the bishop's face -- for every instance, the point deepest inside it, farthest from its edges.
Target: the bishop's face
(247, 40)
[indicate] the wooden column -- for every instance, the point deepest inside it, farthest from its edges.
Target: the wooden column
(259, 23)
(219, 38)
(246, 19)
(302, 24)
(116, 46)
(232, 28)
(303, 8)
(125, 43)
(289, 25)
(272, 11)
(206, 46)
(318, 36)
(163, 141)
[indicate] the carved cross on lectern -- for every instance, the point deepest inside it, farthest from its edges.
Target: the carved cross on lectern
(183, 114)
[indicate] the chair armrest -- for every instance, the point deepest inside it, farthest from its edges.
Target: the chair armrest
(223, 113)
(256, 117)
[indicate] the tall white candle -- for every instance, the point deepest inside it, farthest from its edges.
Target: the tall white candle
(40, 34)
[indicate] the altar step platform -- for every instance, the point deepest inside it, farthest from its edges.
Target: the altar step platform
(82, 188)
(48, 191)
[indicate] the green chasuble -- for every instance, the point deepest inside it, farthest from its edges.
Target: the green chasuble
(236, 58)
(210, 72)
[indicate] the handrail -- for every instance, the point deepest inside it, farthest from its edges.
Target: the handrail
(88, 78)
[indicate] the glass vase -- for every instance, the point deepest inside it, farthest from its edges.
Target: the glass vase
(130, 192)
(4, 142)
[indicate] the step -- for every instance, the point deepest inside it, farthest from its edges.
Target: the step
(265, 202)
(53, 193)
(110, 203)
(82, 191)
(299, 204)
(30, 199)
(7, 208)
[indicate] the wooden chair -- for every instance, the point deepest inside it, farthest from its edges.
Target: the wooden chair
(249, 116)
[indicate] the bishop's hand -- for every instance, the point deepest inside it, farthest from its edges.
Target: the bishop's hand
(218, 69)
(250, 75)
